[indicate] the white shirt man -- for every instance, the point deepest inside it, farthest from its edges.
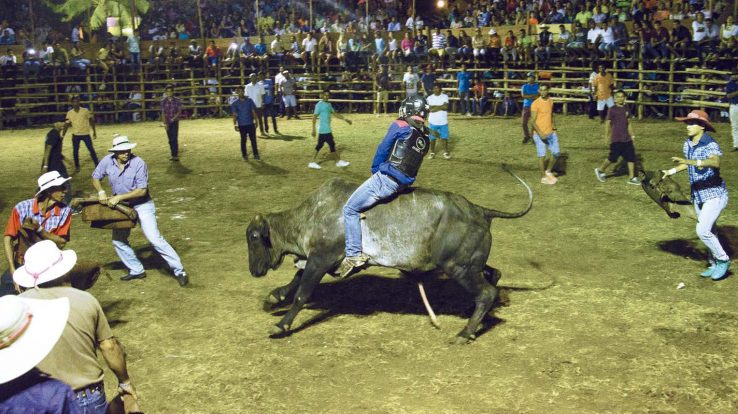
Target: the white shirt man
(256, 92)
(309, 44)
(438, 118)
(699, 31)
(593, 34)
(411, 83)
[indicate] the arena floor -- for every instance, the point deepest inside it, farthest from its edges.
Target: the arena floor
(591, 320)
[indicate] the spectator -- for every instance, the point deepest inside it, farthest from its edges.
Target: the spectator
(712, 39)
(463, 83)
(171, 111)
(465, 47)
(407, 45)
(420, 47)
(277, 49)
(156, 54)
(495, 46)
(261, 56)
(700, 40)
(438, 121)
(680, 40)
(8, 63)
(78, 34)
(410, 80)
(603, 86)
(134, 49)
(438, 45)
(384, 86)
(479, 45)
(255, 91)
(81, 120)
(194, 54)
(7, 37)
(428, 79)
(288, 86)
(78, 59)
(529, 92)
(61, 57)
(394, 25)
(133, 103)
(479, 98)
(268, 108)
(244, 114)
(393, 48)
(213, 54)
(309, 46)
(543, 50)
(24, 388)
(73, 360)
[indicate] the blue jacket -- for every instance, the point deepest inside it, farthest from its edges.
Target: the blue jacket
(399, 130)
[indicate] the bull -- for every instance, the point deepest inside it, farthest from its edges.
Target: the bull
(420, 232)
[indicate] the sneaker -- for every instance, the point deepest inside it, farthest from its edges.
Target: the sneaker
(634, 181)
(128, 277)
(601, 177)
(351, 263)
(469, 114)
(721, 269)
(182, 279)
(257, 157)
(551, 178)
(342, 163)
(526, 140)
(174, 158)
(314, 165)
(446, 156)
(709, 271)
(245, 157)
(431, 155)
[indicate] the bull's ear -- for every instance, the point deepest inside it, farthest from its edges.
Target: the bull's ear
(264, 230)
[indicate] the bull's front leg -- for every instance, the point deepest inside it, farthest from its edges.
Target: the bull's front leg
(283, 294)
(311, 277)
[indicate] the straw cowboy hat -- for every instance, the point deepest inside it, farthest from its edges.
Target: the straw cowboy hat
(29, 329)
(699, 116)
(121, 143)
(49, 180)
(44, 262)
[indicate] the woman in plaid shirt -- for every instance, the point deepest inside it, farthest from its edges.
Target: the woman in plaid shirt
(708, 190)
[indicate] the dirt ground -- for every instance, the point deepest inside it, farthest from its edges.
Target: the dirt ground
(590, 321)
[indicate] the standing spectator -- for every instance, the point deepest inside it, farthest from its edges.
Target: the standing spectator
(620, 137)
(529, 92)
(410, 80)
(288, 86)
(43, 217)
(699, 36)
(73, 359)
(323, 111)
(383, 88)
(438, 120)
(256, 92)
(428, 79)
(134, 49)
(544, 134)
(53, 159)
(171, 110)
(244, 115)
(80, 120)
(463, 83)
(479, 98)
(603, 86)
(128, 176)
(132, 104)
(268, 107)
(709, 192)
(731, 94)
(30, 329)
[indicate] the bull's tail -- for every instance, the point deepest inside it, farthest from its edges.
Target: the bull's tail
(490, 213)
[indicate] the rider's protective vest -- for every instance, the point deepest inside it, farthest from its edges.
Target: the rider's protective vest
(408, 154)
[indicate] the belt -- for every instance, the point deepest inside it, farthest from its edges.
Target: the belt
(89, 390)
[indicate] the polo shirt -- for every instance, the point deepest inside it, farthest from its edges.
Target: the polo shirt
(80, 121)
(529, 89)
(243, 108)
(464, 79)
(255, 92)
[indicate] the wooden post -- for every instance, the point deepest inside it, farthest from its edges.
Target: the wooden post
(33, 23)
(671, 89)
(640, 88)
(202, 30)
(366, 3)
(311, 15)
(565, 107)
(258, 26)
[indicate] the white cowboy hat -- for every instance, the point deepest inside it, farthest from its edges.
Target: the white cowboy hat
(492, 31)
(121, 143)
(49, 180)
(44, 262)
(29, 329)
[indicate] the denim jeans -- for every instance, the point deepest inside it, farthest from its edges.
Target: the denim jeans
(378, 187)
(707, 215)
(93, 403)
(76, 139)
(464, 102)
(147, 218)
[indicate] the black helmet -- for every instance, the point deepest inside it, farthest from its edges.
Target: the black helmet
(414, 106)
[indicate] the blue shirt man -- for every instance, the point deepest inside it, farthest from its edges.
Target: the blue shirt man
(464, 80)
(244, 114)
(529, 91)
(243, 110)
(129, 176)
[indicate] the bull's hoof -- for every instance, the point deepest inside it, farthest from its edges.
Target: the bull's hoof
(278, 331)
(273, 300)
(462, 339)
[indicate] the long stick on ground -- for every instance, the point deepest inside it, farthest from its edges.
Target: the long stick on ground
(428, 308)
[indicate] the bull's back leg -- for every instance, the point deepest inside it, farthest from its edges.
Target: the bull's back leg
(472, 278)
(314, 271)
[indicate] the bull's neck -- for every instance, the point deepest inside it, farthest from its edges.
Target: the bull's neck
(283, 227)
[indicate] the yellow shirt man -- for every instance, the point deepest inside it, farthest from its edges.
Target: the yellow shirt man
(79, 121)
(544, 116)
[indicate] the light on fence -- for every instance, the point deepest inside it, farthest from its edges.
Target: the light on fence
(440, 4)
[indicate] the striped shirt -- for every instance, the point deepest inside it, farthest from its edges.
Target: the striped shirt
(439, 41)
(705, 182)
(55, 221)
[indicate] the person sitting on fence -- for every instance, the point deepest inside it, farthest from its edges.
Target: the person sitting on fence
(61, 57)
(479, 45)
(194, 54)
(248, 54)
(156, 54)
(8, 63)
(407, 45)
(276, 48)
(438, 46)
(309, 47)
(261, 57)
(212, 54)
(325, 50)
(174, 57)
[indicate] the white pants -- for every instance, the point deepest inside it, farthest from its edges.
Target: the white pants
(733, 111)
(706, 218)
